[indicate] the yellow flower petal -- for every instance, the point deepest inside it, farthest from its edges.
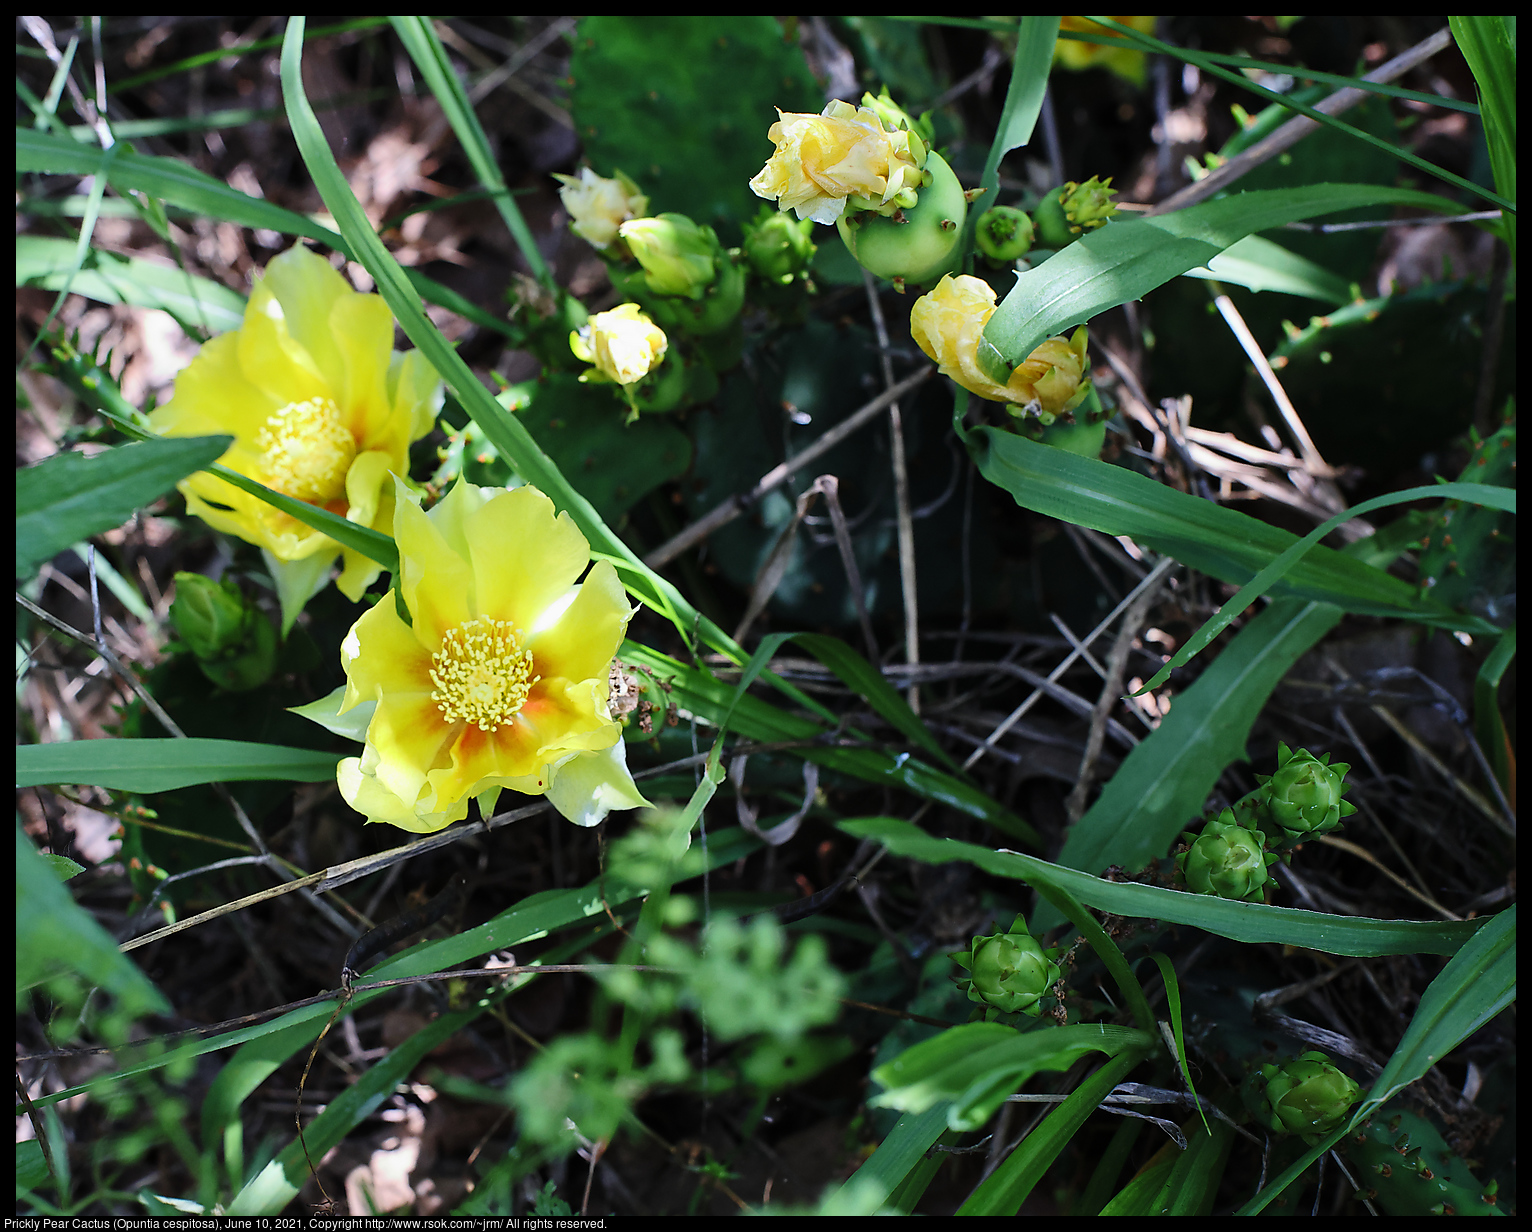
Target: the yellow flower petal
(584, 641)
(524, 557)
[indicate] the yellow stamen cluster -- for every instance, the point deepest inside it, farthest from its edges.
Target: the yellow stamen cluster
(307, 450)
(481, 673)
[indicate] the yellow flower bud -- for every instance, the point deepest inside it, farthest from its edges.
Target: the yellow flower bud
(948, 324)
(598, 206)
(624, 344)
(1125, 61)
(843, 156)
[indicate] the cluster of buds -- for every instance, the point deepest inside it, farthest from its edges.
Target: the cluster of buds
(1307, 1096)
(679, 282)
(1008, 973)
(234, 643)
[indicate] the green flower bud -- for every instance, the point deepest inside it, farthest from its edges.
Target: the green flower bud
(1067, 212)
(1227, 860)
(235, 645)
(1003, 233)
(679, 257)
(778, 246)
(1009, 973)
(715, 308)
(911, 245)
(1304, 795)
(1306, 1096)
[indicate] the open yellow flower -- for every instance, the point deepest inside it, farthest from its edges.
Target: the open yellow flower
(597, 206)
(321, 409)
(842, 156)
(501, 678)
(948, 324)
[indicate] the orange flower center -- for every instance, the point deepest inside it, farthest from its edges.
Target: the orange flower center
(481, 673)
(307, 451)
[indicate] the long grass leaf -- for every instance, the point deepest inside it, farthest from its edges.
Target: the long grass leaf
(1355, 936)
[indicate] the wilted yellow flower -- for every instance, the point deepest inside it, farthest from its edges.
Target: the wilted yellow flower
(500, 681)
(598, 206)
(1124, 61)
(623, 343)
(842, 156)
(321, 409)
(948, 324)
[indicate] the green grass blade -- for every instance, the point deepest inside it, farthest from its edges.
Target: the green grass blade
(1355, 936)
(1215, 540)
(1488, 43)
(152, 765)
(1478, 982)
(1126, 260)
(710, 699)
(72, 496)
(1009, 1185)
(1173, 1003)
(1488, 725)
(43, 261)
(1105, 948)
(904, 1148)
(1260, 265)
(419, 38)
(54, 935)
(1503, 499)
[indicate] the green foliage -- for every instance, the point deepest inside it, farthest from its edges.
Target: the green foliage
(1469, 551)
(683, 104)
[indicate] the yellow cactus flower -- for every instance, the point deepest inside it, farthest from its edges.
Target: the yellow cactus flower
(843, 156)
(1125, 61)
(500, 680)
(321, 409)
(948, 323)
(623, 343)
(597, 206)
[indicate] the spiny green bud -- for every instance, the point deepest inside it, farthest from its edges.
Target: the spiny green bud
(1067, 212)
(778, 246)
(1306, 1096)
(235, 645)
(1304, 795)
(679, 256)
(1009, 973)
(1003, 233)
(1227, 860)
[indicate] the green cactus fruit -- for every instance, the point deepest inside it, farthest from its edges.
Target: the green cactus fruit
(1067, 212)
(1227, 860)
(1406, 1167)
(778, 246)
(235, 645)
(1307, 1096)
(1008, 973)
(1303, 797)
(915, 245)
(1003, 233)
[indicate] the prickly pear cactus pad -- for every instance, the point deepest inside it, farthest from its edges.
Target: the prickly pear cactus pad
(682, 104)
(1468, 556)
